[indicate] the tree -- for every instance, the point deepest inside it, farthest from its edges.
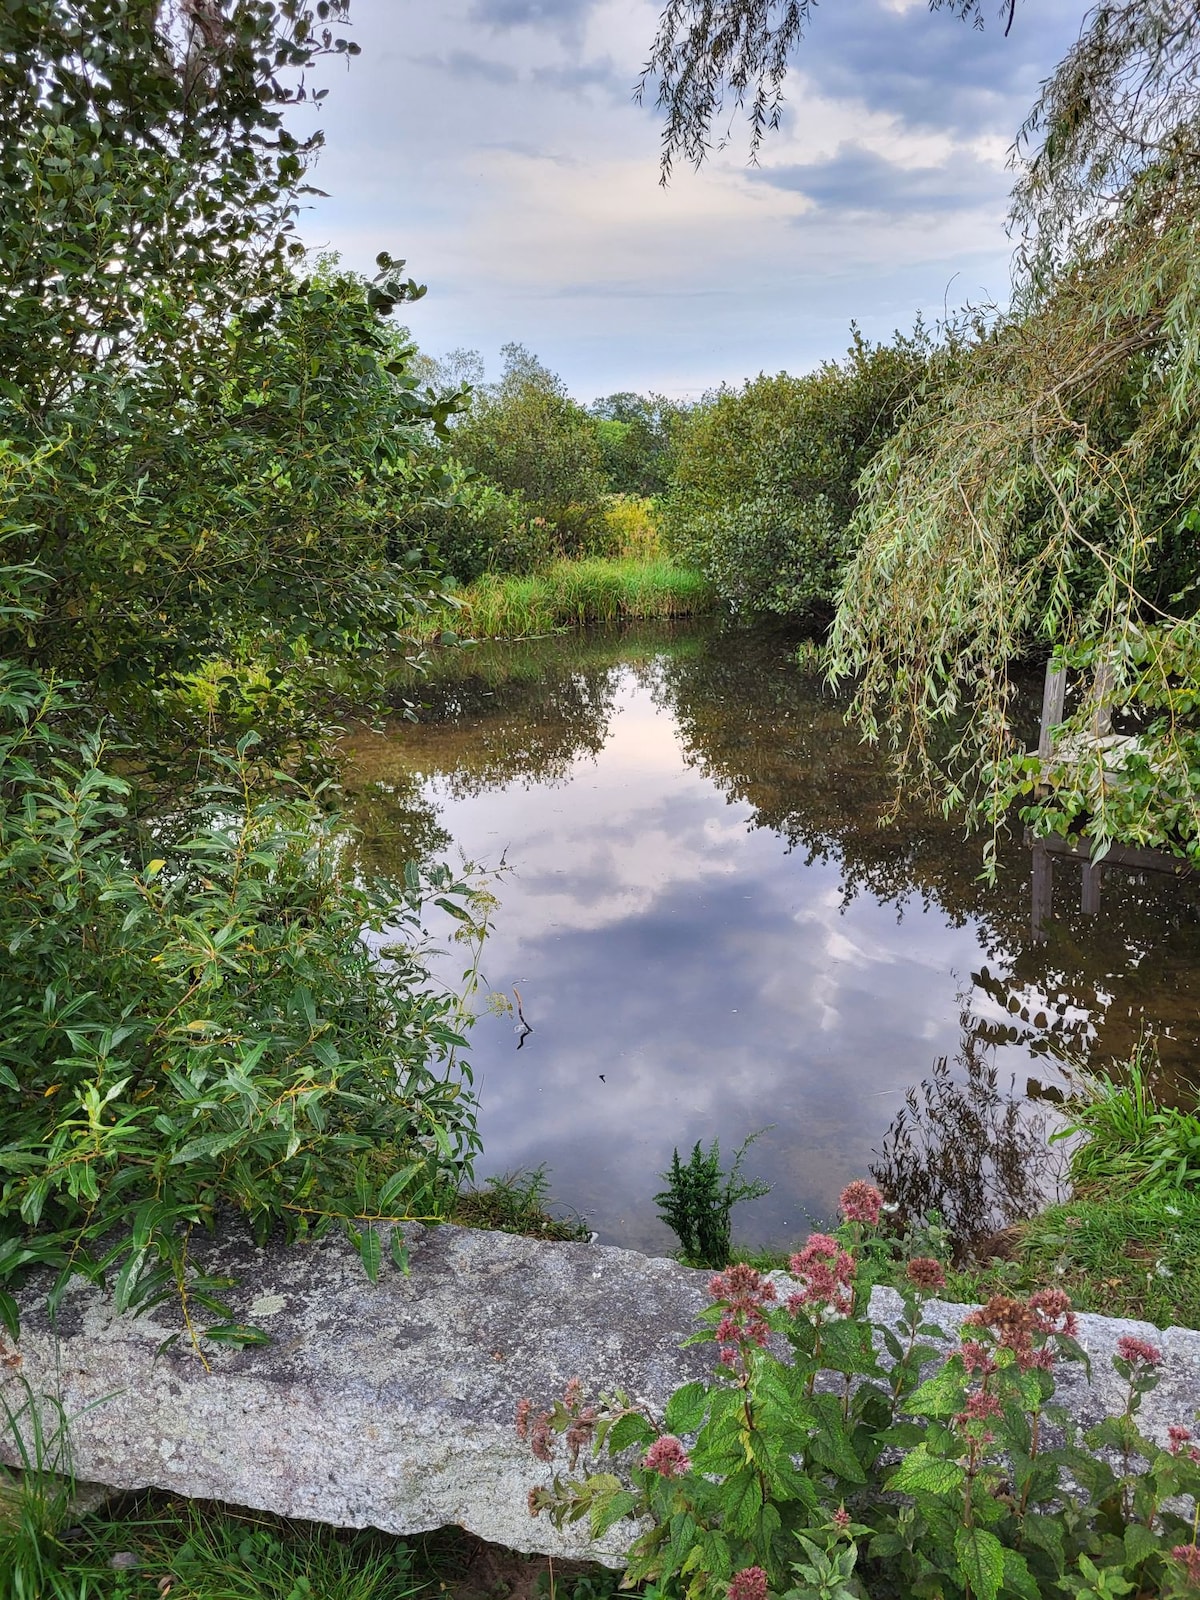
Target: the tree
(637, 439)
(220, 445)
(528, 437)
(764, 487)
(1044, 496)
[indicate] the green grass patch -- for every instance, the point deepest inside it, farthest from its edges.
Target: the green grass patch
(567, 594)
(1119, 1257)
(517, 1203)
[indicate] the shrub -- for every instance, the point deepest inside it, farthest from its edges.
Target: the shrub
(763, 491)
(194, 1023)
(770, 1479)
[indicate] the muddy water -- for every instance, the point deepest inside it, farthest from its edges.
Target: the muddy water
(711, 933)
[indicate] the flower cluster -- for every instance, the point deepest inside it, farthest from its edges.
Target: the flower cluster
(926, 1274)
(1178, 1437)
(744, 1294)
(1188, 1555)
(569, 1417)
(861, 1201)
(1138, 1352)
(748, 1584)
(1022, 1326)
(667, 1457)
(826, 1272)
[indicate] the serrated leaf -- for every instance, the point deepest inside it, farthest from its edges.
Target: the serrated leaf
(611, 1509)
(686, 1408)
(1017, 1577)
(980, 1561)
(629, 1430)
(921, 1473)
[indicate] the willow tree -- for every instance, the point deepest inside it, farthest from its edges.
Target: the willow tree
(1044, 495)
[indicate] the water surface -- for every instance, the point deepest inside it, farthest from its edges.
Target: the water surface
(711, 932)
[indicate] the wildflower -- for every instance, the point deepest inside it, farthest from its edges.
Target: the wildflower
(748, 1584)
(1137, 1351)
(861, 1202)
(841, 1518)
(926, 1273)
(980, 1407)
(827, 1273)
(580, 1432)
(1178, 1436)
(667, 1457)
(573, 1393)
(541, 1440)
(534, 1501)
(977, 1357)
(746, 1295)
(1189, 1556)
(524, 1407)
(1053, 1308)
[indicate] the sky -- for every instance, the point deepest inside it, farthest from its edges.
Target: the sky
(496, 146)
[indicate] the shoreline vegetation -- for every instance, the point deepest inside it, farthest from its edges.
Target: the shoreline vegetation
(568, 593)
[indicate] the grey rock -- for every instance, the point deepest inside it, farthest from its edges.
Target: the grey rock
(391, 1405)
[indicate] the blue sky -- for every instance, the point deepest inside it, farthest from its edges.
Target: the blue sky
(495, 145)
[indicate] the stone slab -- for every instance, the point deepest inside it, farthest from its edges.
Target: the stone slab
(390, 1405)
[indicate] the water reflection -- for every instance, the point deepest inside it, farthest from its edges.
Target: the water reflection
(711, 932)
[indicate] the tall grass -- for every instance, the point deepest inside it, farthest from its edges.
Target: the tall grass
(1126, 1139)
(568, 593)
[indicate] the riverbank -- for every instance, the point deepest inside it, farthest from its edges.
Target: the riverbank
(567, 594)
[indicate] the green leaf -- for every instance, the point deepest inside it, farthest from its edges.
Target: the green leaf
(1017, 1577)
(980, 1561)
(236, 1333)
(629, 1430)
(370, 1250)
(921, 1473)
(686, 1408)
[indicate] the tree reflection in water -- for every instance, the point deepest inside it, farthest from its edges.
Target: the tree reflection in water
(961, 1146)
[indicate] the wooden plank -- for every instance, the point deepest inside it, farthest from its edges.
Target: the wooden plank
(1043, 890)
(1054, 698)
(1089, 894)
(1122, 855)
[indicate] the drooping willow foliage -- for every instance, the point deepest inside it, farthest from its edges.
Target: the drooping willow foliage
(1044, 493)
(711, 54)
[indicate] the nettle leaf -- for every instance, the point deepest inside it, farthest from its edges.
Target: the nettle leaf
(943, 1395)
(981, 1563)
(686, 1409)
(921, 1473)
(629, 1430)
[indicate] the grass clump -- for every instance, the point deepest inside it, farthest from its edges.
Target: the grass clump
(567, 594)
(518, 1202)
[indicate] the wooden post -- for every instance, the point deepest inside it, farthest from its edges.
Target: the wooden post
(1102, 685)
(1054, 697)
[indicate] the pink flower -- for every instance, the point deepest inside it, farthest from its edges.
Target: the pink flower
(1189, 1555)
(827, 1274)
(979, 1407)
(667, 1457)
(748, 1584)
(861, 1202)
(1178, 1436)
(1137, 1351)
(541, 1440)
(926, 1273)
(745, 1294)
(977, 1357)
(841, 1518)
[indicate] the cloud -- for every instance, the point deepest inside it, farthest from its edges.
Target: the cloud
(465, 64)
(602, 74)
(559, 15)
(859, 180)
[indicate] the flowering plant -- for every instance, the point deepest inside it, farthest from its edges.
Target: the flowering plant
(826, 1460)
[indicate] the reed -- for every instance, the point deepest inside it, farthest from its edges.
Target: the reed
(567, 594)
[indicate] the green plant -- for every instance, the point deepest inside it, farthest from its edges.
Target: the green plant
(518, 1202)
(194, 1023)
(1124, 1137)
(699, 1199)
(849, 1469)
(36, 1497)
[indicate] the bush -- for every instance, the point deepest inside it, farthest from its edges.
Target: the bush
(764, 486)
(195, 1025)
(483, 529)
(882, 1484)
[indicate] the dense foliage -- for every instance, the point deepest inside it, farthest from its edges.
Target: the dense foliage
(210, 459)
(764, 488)
(848, 1469)
(1044, 495)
